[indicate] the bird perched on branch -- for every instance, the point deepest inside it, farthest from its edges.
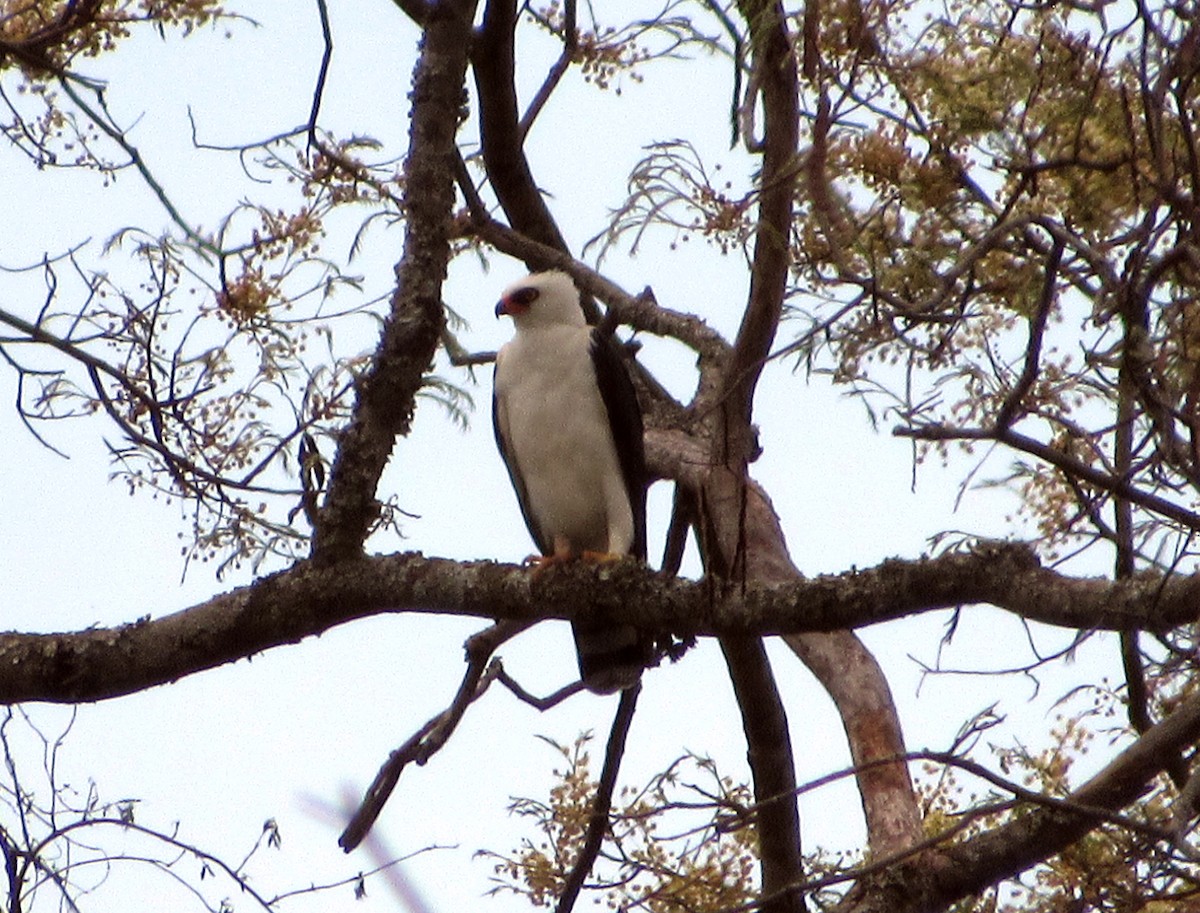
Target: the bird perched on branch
(569, 429)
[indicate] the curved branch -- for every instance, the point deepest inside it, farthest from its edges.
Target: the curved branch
(1033, 349)
(775, 68)
(494, 65)
(848, 670)
(935, 880)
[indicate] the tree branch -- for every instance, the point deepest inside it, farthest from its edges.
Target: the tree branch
(1037, 329)
(935, 880)
(493, 63)
(1069, 464)
(410, 335)
(311, 598)
(775, 66)
(853, 678)
(772, 769)
(597, 825)
(429, 739)
(550, 83)
(736, 549)
(641, 312)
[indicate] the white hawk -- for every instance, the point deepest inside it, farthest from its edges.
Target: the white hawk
(569, 429)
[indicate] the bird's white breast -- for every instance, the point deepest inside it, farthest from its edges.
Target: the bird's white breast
(557, 433)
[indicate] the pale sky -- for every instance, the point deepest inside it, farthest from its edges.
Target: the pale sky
(222, 751)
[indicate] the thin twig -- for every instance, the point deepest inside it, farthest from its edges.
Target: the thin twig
(557, 70)
(322, 73)
(539, 703)
(1033, 350)
(1060, 459)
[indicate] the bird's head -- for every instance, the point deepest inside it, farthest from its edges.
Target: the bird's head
(542, 299)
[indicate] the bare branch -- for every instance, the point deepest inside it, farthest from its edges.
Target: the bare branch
(772, 768)
(1069, 464)
(1037, 328)
(430, 738)
(493, 63)
(597, 825)
(641, 312)
(309, 599)
(557, 70)
(410, 335)
(775, 66)
(856, 683)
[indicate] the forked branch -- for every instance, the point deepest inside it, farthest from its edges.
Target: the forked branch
(431, 737)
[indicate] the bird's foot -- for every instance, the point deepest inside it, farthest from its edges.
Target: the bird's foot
(563, 553)
(601, 557)
(539, 564)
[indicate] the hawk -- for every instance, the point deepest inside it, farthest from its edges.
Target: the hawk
(569, 428)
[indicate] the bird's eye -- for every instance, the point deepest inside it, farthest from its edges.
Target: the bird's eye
(525, 296)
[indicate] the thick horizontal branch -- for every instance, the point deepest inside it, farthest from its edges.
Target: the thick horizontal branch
(308, 599)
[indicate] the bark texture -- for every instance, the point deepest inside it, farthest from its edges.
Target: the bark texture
(410, 336)
(311, 598)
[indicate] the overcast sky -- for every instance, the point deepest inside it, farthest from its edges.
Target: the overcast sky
(222, 751)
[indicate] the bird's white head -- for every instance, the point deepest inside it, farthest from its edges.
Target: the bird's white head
(542, 299)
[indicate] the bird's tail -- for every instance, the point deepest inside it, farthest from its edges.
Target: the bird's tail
(611, 657)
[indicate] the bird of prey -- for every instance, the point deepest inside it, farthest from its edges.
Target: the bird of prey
(569, 429)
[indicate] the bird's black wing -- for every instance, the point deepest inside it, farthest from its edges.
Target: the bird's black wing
(514, 473)
(625, 420)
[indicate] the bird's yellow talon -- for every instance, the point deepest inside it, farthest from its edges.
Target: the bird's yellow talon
(601, 557)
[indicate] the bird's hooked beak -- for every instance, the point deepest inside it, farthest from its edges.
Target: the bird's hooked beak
(506, 306)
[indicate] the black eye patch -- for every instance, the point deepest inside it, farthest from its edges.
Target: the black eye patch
(525, 296)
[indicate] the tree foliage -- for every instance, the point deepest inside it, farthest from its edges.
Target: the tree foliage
(979, 218)
(703, 860)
